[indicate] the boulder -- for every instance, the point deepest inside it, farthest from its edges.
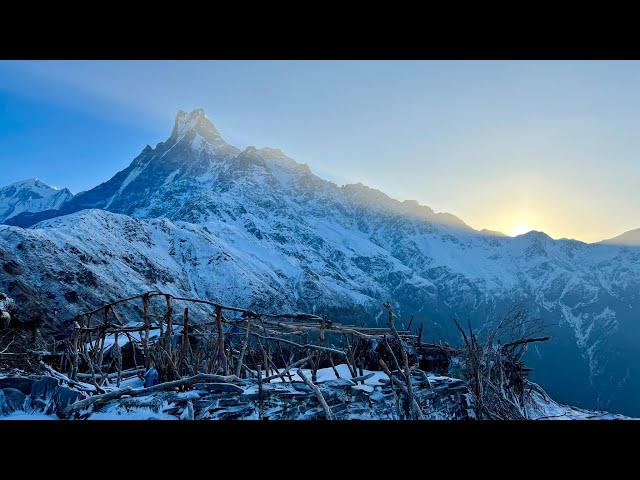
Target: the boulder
(11, 400)
(63, 397)
(151, 378)
(19, 383)
(42, 392)
(301, 387)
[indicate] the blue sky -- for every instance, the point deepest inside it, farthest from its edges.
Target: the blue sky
(508, 146)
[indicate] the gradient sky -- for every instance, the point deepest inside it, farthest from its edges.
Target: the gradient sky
(509, 146)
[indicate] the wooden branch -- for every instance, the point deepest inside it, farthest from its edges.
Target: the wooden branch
(396, 364)
(102, 336)
(244, 348)
(118, 357)
(474, 343)
(131, 372)
(265, 359)
(425, 378)
(212, 304)
(464, 335)
(221, 353)
(301, 346)
(390, 313)
(316, 366)
(284, 361)
(260, 394)
(335, 370)
(64, 378)
(286, 370)
(528, 340)
(349, 356)
(145, 344)
(333, 329)
(362, 378)
(171, 364)
(185, 340)
(268, 360)
(169, 332)
(361, 368)
(394, 380)
(405, 360)
(407, 373)
(105, 397)
(124, 300)
(319, 396)
(184, 382)
(113, 328)
(115, 315)
(74, 346)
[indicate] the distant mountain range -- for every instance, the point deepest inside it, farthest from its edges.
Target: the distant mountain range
(30, 195)
(630, 239)
(197, 216)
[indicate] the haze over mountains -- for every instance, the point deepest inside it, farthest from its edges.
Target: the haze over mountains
(630, 238)
(254, 228)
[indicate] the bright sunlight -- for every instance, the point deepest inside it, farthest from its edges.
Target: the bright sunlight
(519, 230)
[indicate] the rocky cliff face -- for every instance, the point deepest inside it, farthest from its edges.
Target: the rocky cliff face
(254, 228)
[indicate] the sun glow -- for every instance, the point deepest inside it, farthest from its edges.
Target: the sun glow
(519, 230)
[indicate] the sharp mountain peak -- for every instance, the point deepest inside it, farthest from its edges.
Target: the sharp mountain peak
(187, 125)
(160, 181)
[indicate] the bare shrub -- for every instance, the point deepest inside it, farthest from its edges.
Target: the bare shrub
(493, 366)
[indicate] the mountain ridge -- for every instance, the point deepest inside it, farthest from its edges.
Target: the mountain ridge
(256, 228)
(202, 145)
(630, 238)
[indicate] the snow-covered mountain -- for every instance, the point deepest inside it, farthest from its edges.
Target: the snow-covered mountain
(254, 228)
(629, 239)
(31, 195)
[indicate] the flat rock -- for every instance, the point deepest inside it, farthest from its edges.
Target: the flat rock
(11, 400)
(301, 387)
(276, 390)
(19, 383)
(458, 388)
(363, 388)
(250, 396)
(341, 383)
(218, 387)
(377, 396)
(192, 395)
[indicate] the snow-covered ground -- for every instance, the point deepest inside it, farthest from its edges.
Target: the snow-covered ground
(442, 398)
(542, 407)
(22, 415)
